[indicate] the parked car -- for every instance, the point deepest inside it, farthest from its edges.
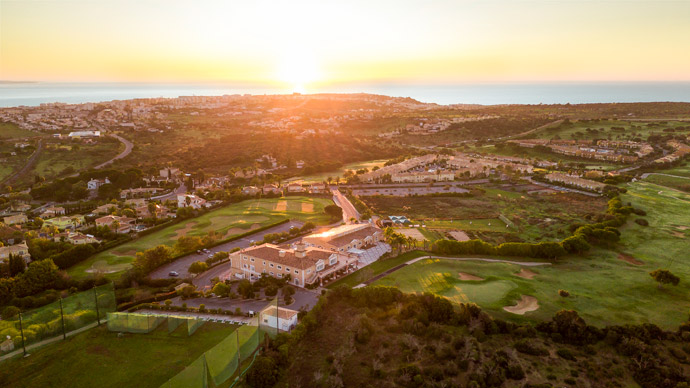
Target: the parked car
(173, 274)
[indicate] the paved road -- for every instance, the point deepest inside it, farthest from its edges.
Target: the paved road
(437, 184)
(561, 188)
(181, 189)
(128, 148)
(390, 271)
(645, 175)
(349, 211)
(182, 264)
(301, 299)
(29, 163)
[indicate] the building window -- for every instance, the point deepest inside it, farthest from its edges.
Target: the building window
(244, 257)
(308, 271)
(280, 267)
(252, 267)
(271, 265)
(252, 259)
(297, 272)
(244, 265)
(264, 262)
(271, 273)
(333, 260)
(280, 275)
(319, 266)
(287, 269)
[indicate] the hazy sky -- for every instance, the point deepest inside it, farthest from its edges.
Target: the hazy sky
(296, 41)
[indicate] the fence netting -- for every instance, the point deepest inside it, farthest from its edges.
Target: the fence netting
(62, 316)
(134, 323)
(221, 362)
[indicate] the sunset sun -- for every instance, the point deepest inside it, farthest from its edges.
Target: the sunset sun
(297, 69)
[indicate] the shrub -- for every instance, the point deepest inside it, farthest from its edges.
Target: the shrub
(563, 293)
(202, 307)
(527, 347)
(9, 312)
(566, 354)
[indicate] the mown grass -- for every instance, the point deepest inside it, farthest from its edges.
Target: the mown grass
(100, 358)
(228, 221)
(604, 288)
(677, 183)
(322, 177)
(375, 268)
(12, 131)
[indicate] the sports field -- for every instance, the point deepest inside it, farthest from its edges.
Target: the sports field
(228, 221)
(100, 358)
(606, 287)
(322, 177)
(678, 182)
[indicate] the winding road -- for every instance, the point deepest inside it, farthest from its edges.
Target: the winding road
(29, 163)
(128, 149)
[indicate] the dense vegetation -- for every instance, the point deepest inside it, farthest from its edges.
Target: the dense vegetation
(380, 337)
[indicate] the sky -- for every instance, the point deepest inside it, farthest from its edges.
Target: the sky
(302, 42)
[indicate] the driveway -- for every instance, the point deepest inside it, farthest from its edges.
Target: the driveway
(182, 264)
(301, 299)
(128, 148)
(349, 211)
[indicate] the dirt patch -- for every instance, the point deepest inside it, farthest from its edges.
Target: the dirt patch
(233, 231)
(281, 206)
(459, 235)
(414, 233)
(525, 304)
(682, 227)
(525, 273)
(678, 234)
(467, 276)
(131, 252)
(629, 259)
(183, 232)
(307, 207)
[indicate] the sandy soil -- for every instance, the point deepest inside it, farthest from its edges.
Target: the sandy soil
(678, 234)
(183, 232)
(414, 233)
(683, 227)
(525, 304)
(467, 276)
(629, 259)
(525, 273)
(459, 235)
(281, 206)
(307, 207)
(234, 231)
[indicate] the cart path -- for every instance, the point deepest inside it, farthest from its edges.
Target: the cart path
(397, 267)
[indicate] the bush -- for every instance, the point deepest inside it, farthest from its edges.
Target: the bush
(198, 267)
(527, 347)
(642, 222)
(9, 312)
(202, 307)
(566, 354)
(563, 293)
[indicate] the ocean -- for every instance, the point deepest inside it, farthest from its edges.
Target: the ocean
(35, 93)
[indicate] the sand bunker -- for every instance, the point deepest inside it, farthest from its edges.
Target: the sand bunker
(307, 207)
(467, 276)
(629, 259)
(525, 304)
(102, 266)
(131, 252)
(183, 232)
(525, 273)
(234, 231)
(459, 235)
(281, 206)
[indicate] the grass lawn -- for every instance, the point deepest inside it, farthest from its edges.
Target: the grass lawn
(12, 131)
(374, 269)
(680, 170)
(603, 129)
(678, 183)
(605, 289)
(488, 225)
(99, 358)
(229, 221)
(322, 177)
(53, 160)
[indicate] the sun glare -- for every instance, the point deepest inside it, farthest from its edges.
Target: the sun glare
(297, 69)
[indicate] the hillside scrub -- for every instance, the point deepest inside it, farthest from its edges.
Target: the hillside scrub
(380, 337)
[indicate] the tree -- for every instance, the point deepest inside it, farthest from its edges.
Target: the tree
(246, 289)
(664, 276)
(17, 265)
(264, 373)
(198, 267)
(221, 289)
(336, 212)
(10, 312)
